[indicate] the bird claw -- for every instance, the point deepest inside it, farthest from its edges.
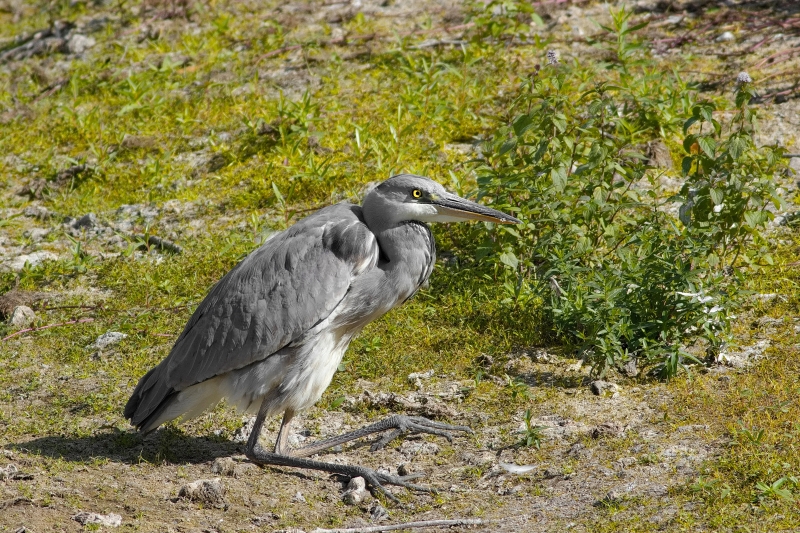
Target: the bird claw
(375, 481)
(418, 424)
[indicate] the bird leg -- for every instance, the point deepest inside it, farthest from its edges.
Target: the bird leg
(285, 456)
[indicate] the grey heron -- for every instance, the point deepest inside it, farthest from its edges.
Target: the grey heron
(271, 333)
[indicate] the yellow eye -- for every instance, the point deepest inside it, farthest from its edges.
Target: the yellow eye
(416, 193)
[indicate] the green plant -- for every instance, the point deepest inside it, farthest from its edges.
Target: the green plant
(780, 489)
(518, 389)
(533, 434)
(619, 277)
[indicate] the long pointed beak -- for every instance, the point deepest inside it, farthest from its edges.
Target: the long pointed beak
(452, 208)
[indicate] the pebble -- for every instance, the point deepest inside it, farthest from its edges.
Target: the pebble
(107, 339)
(378, 512)
(225, 466)
(78, 43)
(204, 490)
(22, 317)
(726, 36)
(607, 429)
(87, 221)
(604, 388)
(36, 234)
(299, 498)
(356, 491)
(108, 520)
(32, 259)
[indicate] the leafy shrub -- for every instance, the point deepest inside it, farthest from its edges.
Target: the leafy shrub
(622, 270)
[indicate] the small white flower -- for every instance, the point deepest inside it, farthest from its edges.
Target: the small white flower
(743, 77)
(552, 57)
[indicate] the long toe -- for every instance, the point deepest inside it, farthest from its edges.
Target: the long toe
(417, 424)
(426, 422)
(376, 481)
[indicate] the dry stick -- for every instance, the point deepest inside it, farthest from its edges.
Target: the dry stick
(28, 330)
(773, 56)
(408, 525)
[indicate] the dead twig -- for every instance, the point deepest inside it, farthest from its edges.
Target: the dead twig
(407, 525)
(15, 501)
(774, 56)
(29, 330)
(161, 244)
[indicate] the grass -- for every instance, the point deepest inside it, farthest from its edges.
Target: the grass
(136, 110)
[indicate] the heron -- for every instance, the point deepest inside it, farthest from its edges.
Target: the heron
(270, 335)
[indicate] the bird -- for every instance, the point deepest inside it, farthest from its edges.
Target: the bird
(270, 335)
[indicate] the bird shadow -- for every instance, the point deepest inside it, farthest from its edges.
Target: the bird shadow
(164, 445)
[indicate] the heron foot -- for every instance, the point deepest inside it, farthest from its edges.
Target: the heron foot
(415, 424)
(374, 480)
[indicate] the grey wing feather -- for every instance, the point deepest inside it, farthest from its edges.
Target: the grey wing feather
(271, 298)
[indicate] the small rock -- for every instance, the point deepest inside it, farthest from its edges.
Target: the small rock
(744, 357)
(414, 376)
(356, 491)
(630, 369)
(107, 339)
(36, 234)
(224, 466)
(78, 43)
(210, 491)
(299, 498)
(604, 388)
(607, 429)
(625, 462)
(243, 433)
(37, 211)
(22, 317)
(539, 355)
(378, 513)
(726, 36)
(108, 520)
(32, 259)
(87, 221)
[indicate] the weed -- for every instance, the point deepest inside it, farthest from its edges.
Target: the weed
(533, 434)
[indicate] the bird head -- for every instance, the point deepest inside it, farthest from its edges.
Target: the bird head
(409, 197)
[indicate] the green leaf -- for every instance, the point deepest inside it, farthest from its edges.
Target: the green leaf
(686, 165)
(559, 176)
(754, 218)
(708, 145)
(522, 124)
(736, 147)
(560, 122)
(717, 196)
(507, 147)
(278, 194)
(509, 259)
